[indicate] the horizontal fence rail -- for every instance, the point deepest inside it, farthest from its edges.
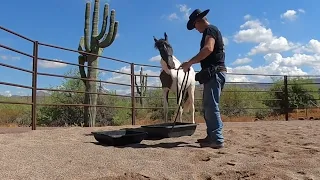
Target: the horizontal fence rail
(232, 89)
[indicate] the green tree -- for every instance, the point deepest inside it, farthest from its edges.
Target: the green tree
(301, 93)
(64, 115)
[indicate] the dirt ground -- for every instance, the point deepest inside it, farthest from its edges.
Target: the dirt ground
(253, 150)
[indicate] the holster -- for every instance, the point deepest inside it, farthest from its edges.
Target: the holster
(206, 74)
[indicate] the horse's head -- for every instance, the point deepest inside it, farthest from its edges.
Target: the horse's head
(165, 50)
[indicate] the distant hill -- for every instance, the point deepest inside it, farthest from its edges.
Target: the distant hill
(266, 86)
(39, 94)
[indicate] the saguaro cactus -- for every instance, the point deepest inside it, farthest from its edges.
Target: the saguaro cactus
(92, 44)
(143, 86)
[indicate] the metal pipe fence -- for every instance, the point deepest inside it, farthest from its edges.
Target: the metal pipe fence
(35, 75)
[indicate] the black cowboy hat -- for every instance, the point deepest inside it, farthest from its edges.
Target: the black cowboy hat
(195, 15)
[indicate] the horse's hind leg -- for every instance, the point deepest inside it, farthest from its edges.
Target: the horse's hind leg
(189, 102)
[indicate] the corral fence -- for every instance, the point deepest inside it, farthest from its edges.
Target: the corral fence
(35, 74)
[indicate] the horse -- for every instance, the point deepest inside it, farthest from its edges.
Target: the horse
(174, 79)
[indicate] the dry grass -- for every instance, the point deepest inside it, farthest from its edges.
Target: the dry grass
(200, 119)
(254, 150)
(313, 113)
(301, 114)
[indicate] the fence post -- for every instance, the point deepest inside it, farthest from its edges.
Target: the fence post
(34, 84)
(133, 102)
(286, 96)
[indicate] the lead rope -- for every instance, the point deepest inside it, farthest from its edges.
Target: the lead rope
(179, 95)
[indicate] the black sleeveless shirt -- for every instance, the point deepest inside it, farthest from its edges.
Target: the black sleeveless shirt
(217, 57)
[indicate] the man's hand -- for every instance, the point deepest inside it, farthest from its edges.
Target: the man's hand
(186, 66)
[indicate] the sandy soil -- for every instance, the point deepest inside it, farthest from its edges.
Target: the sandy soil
(256, 150)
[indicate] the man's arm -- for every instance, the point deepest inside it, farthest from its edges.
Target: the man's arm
(205, 51)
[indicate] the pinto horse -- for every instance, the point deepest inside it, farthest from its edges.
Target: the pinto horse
(174, 79)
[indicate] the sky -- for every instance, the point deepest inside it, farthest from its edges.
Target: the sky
(270, 37)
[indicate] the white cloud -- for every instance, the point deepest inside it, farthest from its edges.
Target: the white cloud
(253, 31)
(183, 8)
(247, 17)
(183, 14)
(50, 64)
(155, 58)
(291, 15)
(9, 57)
(242, 61)
(275, 45)
(294, 60)
(6, 94)
(277, 64)
(126, 79)
(305, 60)
(173, 16)
(313, 46)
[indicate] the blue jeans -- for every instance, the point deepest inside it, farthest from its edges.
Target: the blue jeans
(211, 98)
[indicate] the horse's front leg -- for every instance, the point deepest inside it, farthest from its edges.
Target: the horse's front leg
(165, 103)
(180, 104)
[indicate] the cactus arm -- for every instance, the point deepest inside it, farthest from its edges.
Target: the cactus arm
(82, 60)
(81, 44)
(104, 22)
(137, 87)
(114, 34)
(113, 28)
(87, 26)
(95, 19)
(141, 81)
(146, 84)
(141, 77)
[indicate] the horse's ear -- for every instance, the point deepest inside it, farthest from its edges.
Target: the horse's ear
(165, 36)
(155, 39)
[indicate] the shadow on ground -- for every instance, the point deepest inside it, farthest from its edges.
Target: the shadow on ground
(88, 134)
(159, 145)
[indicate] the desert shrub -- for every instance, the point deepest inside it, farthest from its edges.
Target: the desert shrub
(235, 101)
(15, 113)
(301, 93)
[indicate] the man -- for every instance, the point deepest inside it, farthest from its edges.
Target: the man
(212, 75)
